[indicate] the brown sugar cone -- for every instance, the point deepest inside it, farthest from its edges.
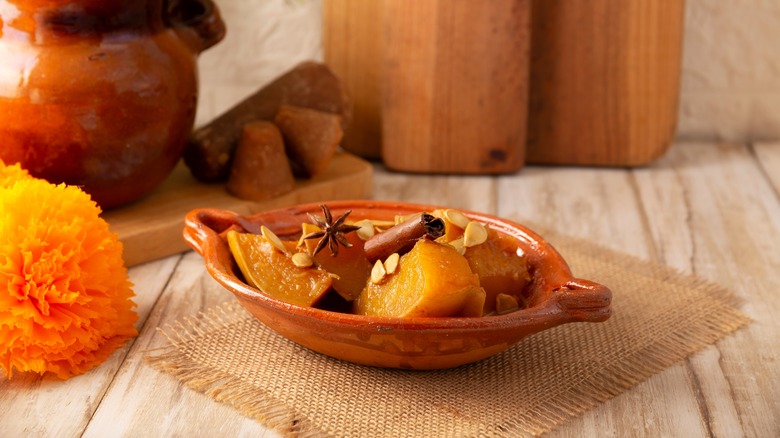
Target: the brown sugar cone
(209, 151)
(310, 137)
(261, 169)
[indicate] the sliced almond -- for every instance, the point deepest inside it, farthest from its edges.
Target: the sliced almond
(391, 264)
(401, 218)
(302, 260)
(474, 234)
(378, 272)
(273, 239)
(458, 245)
(366, 230)
(456, 218)
(382, 224)
(506, 303)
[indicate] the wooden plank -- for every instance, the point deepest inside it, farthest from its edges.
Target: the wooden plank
(602, 205)
(35, 407)
(768, 156)
(596, 204)
(605, 78)
(143, 401)
(152, 228)
(466, 192)
(455, 85)
(714, 213)
(352, 44)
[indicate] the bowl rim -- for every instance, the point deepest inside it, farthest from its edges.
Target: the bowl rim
(572, 299)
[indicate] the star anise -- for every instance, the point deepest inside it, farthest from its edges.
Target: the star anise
(331, 232)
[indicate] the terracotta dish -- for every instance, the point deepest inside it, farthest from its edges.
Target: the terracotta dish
(556, 297)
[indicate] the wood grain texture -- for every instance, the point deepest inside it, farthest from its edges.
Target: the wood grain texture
(605, 81)
(161, 406)
(731, 233)
(730, 74)
(706, 209)
(36, 407)
(768, 156)
(152, 228)
(455, 85)
(657, 213)
(352, 39)
(603, 206)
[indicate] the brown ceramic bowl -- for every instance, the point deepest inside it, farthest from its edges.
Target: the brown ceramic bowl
(556, 297)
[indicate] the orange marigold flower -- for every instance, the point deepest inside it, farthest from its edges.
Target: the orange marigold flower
(11, 174)
(65, 298)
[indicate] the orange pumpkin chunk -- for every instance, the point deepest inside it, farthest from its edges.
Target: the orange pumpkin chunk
(274, 272)
(431, 280)
(452, 230)
(500, 269)
(350, 266)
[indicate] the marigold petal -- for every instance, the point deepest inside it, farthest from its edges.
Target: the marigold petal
(9, 174)
(65, 299)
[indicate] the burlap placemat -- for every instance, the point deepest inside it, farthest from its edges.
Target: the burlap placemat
(659, 317)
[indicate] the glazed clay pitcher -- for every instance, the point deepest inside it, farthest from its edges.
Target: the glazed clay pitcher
(101, 94)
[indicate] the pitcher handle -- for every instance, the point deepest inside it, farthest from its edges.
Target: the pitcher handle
(197, 21)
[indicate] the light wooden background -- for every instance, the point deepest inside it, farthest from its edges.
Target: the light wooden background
(730, 76)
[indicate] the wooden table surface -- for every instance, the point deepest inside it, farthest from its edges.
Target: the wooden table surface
(708, 209)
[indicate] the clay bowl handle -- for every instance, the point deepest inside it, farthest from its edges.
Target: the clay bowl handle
(198, 22)
(203, 231)
(203, 226)
(576, 301)
(583, 300)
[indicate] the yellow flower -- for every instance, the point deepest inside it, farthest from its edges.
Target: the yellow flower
(11, 174)
(65, 298)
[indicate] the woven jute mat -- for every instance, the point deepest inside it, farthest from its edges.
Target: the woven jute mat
(659, 317)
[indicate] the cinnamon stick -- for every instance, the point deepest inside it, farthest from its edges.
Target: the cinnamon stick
(402, 237)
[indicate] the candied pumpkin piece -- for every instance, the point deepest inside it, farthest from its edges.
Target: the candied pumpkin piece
(310, 137)
(431, 280)
(499, 267)
(272, 271)
(455, 223)
(351, 266)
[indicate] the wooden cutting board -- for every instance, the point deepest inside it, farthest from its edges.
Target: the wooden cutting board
(151, 228)
(352, 36)
(438, 86)
(455, 85)
(605, 80)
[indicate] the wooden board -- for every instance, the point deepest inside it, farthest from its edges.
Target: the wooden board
(455, 85)
(352, 44)
(605, 79)
(151, 228)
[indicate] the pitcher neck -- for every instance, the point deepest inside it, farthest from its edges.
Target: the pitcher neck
(41, 19)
